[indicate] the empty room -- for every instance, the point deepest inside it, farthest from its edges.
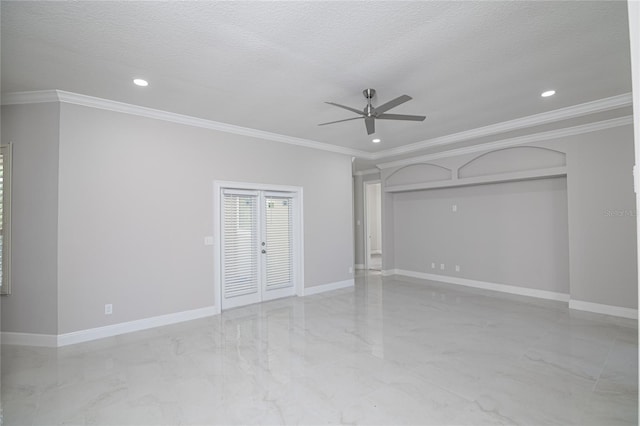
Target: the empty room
(319, 212)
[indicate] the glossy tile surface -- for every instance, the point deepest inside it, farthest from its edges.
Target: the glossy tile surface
(392, 351)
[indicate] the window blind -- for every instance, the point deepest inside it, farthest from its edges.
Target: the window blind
(279, 239)
(240, 244)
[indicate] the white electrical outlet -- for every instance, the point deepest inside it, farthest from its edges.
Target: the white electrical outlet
(433, 265)
(454, 208)
(442, 266)
(208, 241)
(457, 268)
(351, 269)
(108, 309)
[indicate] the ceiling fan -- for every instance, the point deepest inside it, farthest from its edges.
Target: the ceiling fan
(370, 114)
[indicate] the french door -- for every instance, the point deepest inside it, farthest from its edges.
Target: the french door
(258, 261)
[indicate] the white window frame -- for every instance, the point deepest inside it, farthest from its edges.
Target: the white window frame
(367, 242)
(298, 230)
(7, 152)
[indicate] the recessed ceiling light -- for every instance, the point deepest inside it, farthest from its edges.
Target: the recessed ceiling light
(548, 93)
(140, 82)
(376, 141)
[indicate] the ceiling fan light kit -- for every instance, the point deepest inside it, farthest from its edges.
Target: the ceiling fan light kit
(371, 113)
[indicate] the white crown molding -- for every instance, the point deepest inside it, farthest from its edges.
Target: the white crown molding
(121, 107)
(366, 172)
(481, 180)
(573, 111)
(35, 97)
(535, 137)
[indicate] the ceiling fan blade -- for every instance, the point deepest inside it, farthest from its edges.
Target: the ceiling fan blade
(340, 121)
(393, 103)
(371, 125)
(357, 111)
(401, 117)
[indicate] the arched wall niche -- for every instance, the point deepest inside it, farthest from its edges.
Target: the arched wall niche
(509, 160)
(418, 173)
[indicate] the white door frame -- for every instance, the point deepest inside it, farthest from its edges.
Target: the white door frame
(298, 239)
(367, 242)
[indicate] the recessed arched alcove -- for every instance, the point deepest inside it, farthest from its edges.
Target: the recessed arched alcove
(510, 160)
(418, 173)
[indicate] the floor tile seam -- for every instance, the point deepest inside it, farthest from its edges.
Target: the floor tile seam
(531, 345)
(439, 386)
(604, 364)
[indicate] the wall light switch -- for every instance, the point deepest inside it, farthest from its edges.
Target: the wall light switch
(208, 241)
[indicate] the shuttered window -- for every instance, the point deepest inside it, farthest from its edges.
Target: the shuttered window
(240, 244)
(279, 241)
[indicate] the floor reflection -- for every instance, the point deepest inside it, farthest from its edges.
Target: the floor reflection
(389, 351)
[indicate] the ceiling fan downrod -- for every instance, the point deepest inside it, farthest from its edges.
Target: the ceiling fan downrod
(369, 94)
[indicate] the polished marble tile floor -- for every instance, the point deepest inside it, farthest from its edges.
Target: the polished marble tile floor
(391, 351)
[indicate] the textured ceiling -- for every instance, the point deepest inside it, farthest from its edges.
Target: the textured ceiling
(272, 65)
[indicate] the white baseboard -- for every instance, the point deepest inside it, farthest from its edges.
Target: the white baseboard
(389, 272)
(29, 339)
(359, 266)
(50, 340)
(131, 326)
(504, 288)
(598, 308)
(316, 289)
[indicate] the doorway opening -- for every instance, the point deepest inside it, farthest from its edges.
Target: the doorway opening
(258, 243)
(373, 225)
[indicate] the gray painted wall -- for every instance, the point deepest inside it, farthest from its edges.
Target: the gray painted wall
(32, 306)
(602, 222)
(114, 208)
(600, 205)
(507, 233)
(136, 202)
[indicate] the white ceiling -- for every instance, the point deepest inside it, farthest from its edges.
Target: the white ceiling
(272, 65)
